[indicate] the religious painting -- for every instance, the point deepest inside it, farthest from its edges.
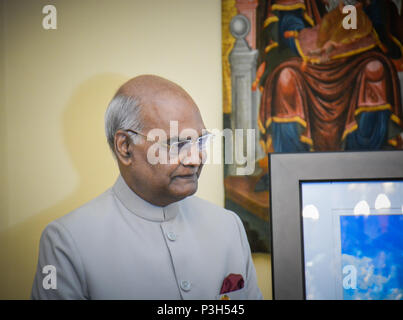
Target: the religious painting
(307, 76)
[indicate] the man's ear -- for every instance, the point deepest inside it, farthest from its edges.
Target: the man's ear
(123, 147)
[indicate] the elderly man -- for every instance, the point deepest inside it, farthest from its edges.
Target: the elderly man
(147, 237)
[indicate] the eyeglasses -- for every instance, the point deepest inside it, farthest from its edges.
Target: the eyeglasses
(177, 147)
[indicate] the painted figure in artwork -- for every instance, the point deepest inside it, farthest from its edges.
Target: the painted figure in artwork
(327, 88)
(331, 33)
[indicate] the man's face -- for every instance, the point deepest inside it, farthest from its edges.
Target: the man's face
(164, 183)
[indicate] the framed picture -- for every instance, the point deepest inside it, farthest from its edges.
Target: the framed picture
(337, 225)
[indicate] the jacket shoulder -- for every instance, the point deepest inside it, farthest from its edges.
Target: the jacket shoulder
(204, 209)
(94, 211)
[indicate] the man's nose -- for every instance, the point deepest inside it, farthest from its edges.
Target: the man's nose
(192, 156)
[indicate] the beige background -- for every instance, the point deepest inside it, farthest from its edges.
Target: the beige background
(54, 88)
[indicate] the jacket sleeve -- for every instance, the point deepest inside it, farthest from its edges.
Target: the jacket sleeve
(252, 290)
(60, 271)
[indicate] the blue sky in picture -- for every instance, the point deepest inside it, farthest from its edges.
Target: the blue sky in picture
(374, 246)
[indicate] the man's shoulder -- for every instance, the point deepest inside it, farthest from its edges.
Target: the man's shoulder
(204, 209)
(90, 213)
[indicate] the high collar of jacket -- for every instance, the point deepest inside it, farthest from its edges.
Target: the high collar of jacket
(141, 207)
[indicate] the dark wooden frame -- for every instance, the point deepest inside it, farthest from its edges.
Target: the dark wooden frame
(287, 172)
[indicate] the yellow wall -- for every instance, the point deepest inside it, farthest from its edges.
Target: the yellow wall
(54, 88)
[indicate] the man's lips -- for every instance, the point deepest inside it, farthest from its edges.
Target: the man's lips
(191, 176)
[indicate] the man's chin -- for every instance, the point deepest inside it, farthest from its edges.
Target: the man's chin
(186, 189)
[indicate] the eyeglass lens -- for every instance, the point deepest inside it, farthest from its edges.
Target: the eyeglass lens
(186, 144)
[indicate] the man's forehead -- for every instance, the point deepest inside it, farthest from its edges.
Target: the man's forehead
(161, 109)
(163, 101)
(172, 122)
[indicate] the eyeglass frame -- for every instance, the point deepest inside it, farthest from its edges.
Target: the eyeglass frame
(169, 145)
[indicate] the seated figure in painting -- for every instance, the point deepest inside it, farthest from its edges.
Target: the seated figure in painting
(325, 88)
(330, 34)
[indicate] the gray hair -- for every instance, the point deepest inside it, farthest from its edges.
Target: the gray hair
(123, 113)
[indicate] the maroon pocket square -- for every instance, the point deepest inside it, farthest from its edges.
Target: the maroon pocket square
(231, 283)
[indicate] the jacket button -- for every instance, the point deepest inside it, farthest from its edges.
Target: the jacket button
(185, 285)
(171, 236)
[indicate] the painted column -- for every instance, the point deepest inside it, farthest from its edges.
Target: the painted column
(244, 114)
(248, 9)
